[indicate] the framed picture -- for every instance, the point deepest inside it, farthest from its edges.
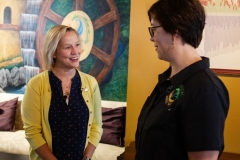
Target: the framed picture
(221, 36)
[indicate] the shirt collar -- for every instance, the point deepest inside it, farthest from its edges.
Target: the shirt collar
(184, 74)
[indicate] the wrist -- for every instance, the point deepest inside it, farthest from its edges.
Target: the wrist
(86, 158)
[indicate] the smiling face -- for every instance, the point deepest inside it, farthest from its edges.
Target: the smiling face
(68, 51)
(162, 41)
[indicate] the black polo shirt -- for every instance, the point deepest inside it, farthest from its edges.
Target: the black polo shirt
(184, 114)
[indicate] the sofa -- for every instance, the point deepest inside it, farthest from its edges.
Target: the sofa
(12, 135)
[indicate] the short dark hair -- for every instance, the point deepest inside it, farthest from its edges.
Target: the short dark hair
(187, 17)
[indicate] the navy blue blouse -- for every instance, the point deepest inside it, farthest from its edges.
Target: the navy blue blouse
(68, 122)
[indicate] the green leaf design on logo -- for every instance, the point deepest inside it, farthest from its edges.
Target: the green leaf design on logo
(173, 94)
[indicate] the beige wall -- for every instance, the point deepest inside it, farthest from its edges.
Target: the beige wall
(143, 71)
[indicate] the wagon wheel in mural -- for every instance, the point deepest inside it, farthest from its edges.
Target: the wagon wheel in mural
(110, 22)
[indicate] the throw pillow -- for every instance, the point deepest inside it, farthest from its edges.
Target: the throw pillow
(7, 114)
(113, 125)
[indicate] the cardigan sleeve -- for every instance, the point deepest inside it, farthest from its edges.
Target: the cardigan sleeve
(31, 113)
(96, 128)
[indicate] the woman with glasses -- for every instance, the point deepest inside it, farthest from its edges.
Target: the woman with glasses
(183, 118)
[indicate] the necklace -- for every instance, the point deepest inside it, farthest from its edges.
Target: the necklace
(66, 91)
(65, 83)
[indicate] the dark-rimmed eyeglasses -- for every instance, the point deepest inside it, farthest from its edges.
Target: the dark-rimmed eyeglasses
(151, 30)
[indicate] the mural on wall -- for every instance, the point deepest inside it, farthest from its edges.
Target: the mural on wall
(104, 29)
(221, 40)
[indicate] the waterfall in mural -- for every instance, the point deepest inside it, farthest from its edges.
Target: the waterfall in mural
(28, 38)
(29, 22)
(28, 56)
(33, 6)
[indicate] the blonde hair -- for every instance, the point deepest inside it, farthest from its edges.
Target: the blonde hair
(50, 43)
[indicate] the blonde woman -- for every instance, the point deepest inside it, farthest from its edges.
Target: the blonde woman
(61, 109)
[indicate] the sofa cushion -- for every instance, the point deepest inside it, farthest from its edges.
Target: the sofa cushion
(18, 118)
(113, 125)
(7, 114)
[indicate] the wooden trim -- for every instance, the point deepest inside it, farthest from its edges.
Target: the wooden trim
(226, 71)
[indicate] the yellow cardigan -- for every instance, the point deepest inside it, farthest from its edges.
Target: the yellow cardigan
(35, 107)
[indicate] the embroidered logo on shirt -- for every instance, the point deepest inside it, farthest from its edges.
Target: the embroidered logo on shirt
(173, 94)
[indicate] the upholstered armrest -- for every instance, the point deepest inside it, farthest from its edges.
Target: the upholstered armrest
(14, 142)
